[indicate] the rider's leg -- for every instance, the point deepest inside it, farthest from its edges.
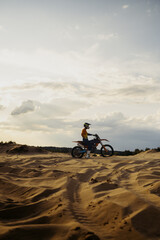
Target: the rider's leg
(88, 154)
(89, 149)
(88, 143)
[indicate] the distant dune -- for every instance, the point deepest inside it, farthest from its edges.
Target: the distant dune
(14, 148)
(45, 196)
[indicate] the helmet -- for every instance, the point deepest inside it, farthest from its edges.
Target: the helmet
(86, 125)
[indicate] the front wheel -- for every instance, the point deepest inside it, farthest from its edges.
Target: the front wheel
(107, 150)
(77, 152)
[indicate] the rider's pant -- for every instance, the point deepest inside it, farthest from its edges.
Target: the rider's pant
(88, 143)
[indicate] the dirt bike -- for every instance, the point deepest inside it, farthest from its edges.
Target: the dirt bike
(79, 150)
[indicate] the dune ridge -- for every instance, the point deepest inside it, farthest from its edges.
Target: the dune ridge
(53, 196)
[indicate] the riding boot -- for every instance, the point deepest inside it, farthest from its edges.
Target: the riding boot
(88, 154)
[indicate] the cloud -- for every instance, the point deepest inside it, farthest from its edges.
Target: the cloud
(107, 87)
(125, 6)
(46, 62)
(44, 117)
(129, 133)
(107, 36)
(72, 92)
(2, 28)
(61, 107)
(136, 91)
(26, 106)
(92, 49)
(111, 120)
(1, 107)
(144, 93)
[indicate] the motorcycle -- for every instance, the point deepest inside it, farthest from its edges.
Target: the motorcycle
(79, 150)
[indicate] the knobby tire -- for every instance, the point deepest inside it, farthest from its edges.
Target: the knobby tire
(77, 152)
(110, 150)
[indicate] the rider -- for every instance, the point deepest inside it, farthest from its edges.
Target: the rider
(85, 135)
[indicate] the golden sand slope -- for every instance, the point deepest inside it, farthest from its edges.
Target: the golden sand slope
(53, 196)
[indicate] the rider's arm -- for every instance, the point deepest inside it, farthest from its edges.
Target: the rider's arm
(89, 134)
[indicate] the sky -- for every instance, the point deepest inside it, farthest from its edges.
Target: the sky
(67, 62)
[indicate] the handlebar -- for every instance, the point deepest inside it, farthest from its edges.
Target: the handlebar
(96, 135)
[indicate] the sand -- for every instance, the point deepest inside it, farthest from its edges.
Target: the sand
(53, 196)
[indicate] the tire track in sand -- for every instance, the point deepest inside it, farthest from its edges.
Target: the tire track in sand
(74, 199)
(75, 204)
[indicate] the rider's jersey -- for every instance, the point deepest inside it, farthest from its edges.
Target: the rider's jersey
(84, 133)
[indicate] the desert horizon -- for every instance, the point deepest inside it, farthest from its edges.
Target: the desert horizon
(47, 196)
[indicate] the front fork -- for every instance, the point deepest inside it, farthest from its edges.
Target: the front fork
(104, 147)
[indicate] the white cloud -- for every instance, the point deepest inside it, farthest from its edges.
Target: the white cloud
(107, 89)
(1, 107)
(43, 117)
(139, 93)
(45, 63)
(2, 28)
(77, 27)
(125, 6)
(27, 106)
(129, 132)
(92, 49)
(107, 36)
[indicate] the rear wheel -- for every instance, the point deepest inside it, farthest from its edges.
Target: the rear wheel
(107, 150)
(77, 152)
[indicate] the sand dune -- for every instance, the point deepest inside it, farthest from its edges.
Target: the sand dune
(53, 196)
